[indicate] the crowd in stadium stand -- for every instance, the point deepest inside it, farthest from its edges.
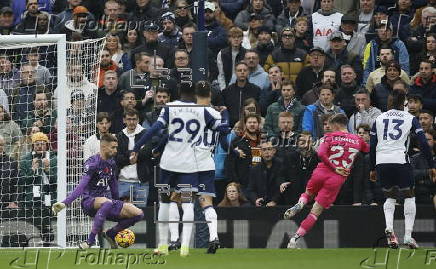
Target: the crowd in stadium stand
(280, 67)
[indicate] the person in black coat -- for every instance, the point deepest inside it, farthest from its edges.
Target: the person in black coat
(235, 95)
(244, 152)
(266, 178)
(300, 163)
(425, 189)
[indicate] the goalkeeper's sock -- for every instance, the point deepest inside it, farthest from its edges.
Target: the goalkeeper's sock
(304, 198)
(210, 215)
(389, 209)
(188, 215)
(123, 224)
(163, 215)
(409, 217)
(307, 224)
(174, 226)
(99, 220)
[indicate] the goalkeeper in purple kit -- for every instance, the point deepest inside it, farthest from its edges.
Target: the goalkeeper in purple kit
(97, 201)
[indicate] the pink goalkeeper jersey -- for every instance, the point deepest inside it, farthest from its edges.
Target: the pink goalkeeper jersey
(339, 149)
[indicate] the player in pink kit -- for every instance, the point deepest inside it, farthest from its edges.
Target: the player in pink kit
(336, 152)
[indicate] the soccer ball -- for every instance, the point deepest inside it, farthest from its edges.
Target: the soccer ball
(125, 238)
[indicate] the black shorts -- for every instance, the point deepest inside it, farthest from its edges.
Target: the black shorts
(395, 175)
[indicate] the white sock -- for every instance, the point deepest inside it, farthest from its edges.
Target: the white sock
(389, 209)
(409, 217)
(188, 215)
(210, 215)
(174, 216)
(163, 215)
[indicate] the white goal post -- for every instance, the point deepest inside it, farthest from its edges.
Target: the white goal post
(67, 63)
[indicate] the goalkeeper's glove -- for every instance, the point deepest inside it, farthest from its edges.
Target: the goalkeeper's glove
(57, 207)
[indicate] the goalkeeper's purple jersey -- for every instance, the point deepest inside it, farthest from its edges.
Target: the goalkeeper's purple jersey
(98, 177)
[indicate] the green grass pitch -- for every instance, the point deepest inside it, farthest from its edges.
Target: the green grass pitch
(224, 259)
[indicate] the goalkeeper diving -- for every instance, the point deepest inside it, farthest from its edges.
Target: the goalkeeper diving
(97, 201)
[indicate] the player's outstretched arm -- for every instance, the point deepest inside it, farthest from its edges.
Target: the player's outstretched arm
(154, 129)
(84, 181)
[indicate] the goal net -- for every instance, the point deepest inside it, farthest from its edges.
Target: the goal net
(48, 92)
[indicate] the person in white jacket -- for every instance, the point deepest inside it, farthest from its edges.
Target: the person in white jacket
(323, 23)
(92, 144)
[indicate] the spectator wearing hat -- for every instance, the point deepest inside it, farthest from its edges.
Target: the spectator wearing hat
(20, 7)
(287, 56)
(82, 115)
(78, 28)
(312, 74)
(414, 104)
(338, 56)
(257, 7)
(386, 54)
(67, 14)
(170, 34)
(38, 179)
(356, 41)
(151, 33)
(323, 23)
(288, 17)
(229, 56)
(264, 43)
(250, 35)
(144, 10)
(384, 37)
(303, 40)
(6, 21)
(217, 36)
(30, 20)
(425, 85)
